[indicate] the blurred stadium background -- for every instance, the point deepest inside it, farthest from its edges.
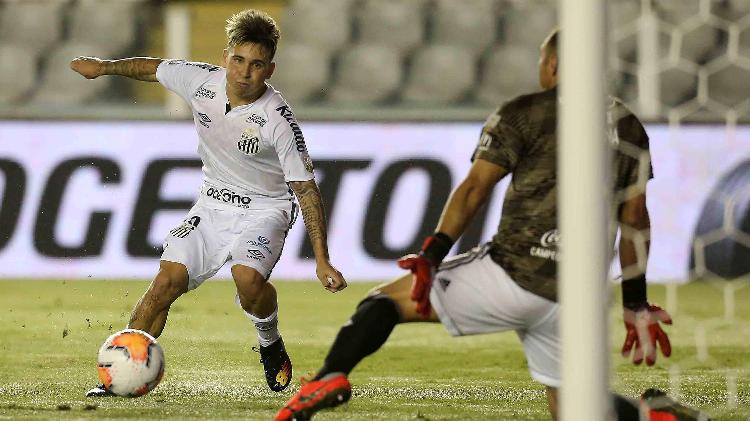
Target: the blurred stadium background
(390, 93)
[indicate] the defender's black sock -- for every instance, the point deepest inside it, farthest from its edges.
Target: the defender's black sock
(625, 408)
(362, 335)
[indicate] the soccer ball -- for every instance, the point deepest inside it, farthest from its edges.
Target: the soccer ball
(130, 363)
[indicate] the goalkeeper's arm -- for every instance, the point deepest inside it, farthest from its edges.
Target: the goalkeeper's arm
(635, 232)
(139, 68)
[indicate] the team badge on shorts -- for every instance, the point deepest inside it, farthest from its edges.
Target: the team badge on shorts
(249, 143)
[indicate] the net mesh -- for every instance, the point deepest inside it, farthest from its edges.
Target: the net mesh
(684, 65)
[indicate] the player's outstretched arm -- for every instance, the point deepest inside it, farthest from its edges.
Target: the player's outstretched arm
(641, 318)
(461, 207)
(313, 214)
(139, 68)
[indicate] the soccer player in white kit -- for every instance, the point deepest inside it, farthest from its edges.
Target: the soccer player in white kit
(254, 155)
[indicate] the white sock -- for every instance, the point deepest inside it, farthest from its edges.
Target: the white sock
(266, 328)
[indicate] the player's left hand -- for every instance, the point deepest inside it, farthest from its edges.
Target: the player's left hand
(330, 277)
(644, 332)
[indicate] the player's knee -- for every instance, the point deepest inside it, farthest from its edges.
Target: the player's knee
(378, 306)
(169, 284)
(248, 301)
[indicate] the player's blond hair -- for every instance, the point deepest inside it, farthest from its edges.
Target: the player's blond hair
(253, 26)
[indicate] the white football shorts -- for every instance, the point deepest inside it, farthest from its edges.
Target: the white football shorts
(472, 294)
(214, 233)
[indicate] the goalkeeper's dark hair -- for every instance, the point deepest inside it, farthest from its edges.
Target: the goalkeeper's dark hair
(253, 26)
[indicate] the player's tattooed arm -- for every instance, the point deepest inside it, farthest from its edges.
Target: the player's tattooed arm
(139, 68)
(311, 205)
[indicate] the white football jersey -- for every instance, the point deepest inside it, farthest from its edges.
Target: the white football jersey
(255, 148)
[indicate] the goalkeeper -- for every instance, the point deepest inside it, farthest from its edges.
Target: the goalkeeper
(511, 282)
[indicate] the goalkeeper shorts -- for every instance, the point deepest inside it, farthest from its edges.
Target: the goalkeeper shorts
(472, 294)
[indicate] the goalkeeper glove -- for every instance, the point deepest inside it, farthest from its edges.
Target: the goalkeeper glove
(423, 267)
(642, 323)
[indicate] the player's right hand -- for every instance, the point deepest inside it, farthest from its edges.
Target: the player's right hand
(88, 67)
(330, 277)
(422, 271)
(644, 332)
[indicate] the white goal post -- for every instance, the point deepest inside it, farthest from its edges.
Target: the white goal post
(583, 212)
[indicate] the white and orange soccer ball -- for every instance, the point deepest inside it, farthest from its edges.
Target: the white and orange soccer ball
(130, 363)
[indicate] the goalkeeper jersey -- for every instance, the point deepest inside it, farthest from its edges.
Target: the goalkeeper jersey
(521, 136)
(253, 149)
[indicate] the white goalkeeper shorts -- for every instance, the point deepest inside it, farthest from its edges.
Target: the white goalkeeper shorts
(213, 234)
(472, 294)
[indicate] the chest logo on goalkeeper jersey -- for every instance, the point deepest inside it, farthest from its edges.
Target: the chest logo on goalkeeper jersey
(249, 143)
(188, 226)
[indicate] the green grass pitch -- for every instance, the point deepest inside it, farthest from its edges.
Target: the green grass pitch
(50, 332)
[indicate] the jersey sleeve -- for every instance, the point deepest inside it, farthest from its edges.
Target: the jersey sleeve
(633, 156)
(502, 140)
(184, 77)
(289, 142)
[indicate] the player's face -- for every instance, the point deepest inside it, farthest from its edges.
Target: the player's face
(248, 67)
(547, 68)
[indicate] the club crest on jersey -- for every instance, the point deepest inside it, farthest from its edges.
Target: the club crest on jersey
(249, 143)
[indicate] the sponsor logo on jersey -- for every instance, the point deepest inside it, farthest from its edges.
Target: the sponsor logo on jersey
(205, 66)
(299, 140)
(205, 93)
(228, 196)
(550, 238)
(255, 118)
(548, 249)
(288, 115)
(203, 119)
(187, 226)
(255, 254)
(249, 143)
(263, 240)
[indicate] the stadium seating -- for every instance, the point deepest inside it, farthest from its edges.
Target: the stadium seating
(440, 74)
(323, 24)
(389, 51)
(302, 72)
(677, 85)
(22, 64)
(108, 23)
(396, 23)
(508, 71)
(526, 23)
(34, 24)
(366, 74)
(723, 86)
(470, 24)
(59, 85)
